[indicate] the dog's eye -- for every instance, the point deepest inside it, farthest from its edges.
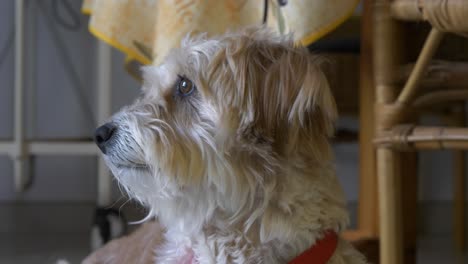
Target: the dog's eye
(185, 86)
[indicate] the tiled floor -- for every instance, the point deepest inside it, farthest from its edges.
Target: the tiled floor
(440, 250)
(37, 249)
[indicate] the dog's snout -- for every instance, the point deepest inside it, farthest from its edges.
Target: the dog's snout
(103, 134)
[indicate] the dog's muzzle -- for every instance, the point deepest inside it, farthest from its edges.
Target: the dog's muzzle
(103, 136)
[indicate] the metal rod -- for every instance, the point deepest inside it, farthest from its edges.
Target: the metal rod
(6, 147)
(53, 148)
(64, 148)
(31, 72)
(104, 66)
(19, 153)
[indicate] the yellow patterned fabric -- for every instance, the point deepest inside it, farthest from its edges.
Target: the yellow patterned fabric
(147, 29)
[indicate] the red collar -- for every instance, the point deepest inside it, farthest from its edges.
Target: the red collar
(321, 252)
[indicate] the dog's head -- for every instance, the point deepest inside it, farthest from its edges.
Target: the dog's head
(216, 122)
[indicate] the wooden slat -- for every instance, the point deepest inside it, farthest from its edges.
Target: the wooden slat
(357, 234)
(367, 210)
(440, 74)
(428, 51)
(425, 138)
(438, 98)
(407, 10)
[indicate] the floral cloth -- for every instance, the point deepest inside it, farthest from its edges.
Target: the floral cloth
(147, 29)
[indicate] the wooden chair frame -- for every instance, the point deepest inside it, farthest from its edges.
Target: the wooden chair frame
(397, 136)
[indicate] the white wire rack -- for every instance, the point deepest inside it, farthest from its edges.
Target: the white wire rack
(20, 149)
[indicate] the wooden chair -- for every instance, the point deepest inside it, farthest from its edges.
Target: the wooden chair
(400, 99)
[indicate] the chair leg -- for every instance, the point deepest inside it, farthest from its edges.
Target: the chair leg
(459, 201)
(456, 117)
(409, 165)
(367, 215)
(389, 182)
(459, 186)
(388, 55)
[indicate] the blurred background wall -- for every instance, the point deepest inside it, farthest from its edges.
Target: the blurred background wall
(57, 112)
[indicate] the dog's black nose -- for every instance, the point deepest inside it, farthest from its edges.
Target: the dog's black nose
(102, 135)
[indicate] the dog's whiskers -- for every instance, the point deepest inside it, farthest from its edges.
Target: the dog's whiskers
(146, 218)
(114, 203)
(121, 206)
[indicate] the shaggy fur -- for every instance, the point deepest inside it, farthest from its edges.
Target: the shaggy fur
(239, 171)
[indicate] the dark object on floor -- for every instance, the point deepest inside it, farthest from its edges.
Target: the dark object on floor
(370, 249)
(108, 224)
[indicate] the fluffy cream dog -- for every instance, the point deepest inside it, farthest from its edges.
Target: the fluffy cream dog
(228, 148)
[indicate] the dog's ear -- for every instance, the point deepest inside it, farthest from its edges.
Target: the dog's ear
(296, 93)
(295, 106)
(272, 88)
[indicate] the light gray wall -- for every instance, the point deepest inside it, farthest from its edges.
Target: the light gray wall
(59, 116)
(58, 111)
